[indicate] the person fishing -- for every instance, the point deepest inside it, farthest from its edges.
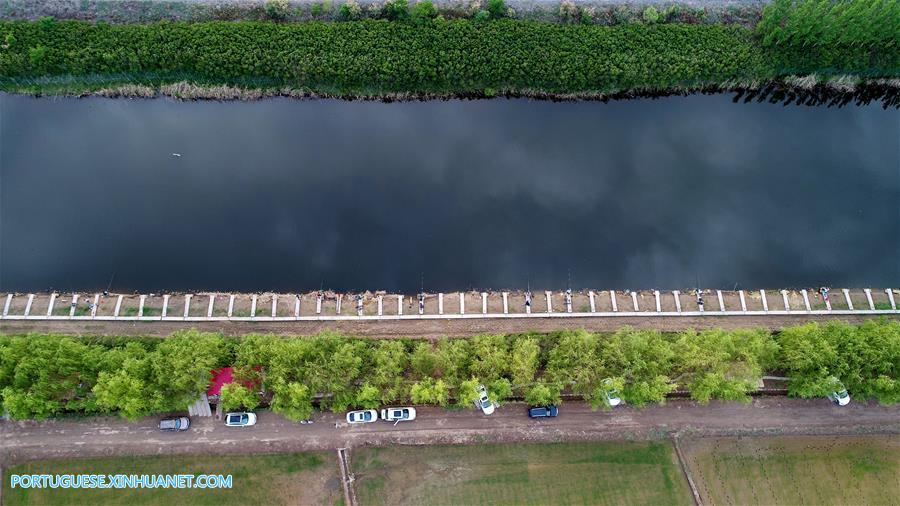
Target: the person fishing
(422, 303)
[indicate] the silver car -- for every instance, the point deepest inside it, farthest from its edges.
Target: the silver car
(398, 415)
(484, 402)
(175, 424)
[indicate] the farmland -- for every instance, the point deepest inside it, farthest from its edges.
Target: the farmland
(796, 469)
(310, 478)
(573, 473)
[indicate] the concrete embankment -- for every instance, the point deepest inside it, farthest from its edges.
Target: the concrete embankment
(380, 314)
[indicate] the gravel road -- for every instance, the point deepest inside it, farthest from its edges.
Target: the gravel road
(112, 436)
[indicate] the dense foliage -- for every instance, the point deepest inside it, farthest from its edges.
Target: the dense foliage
(860, 36)
(380, 56)
(44, 376)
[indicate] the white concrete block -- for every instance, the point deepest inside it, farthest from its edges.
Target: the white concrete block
(399, 304)
(230, 305)
(143, 299)
(440, 303)
(380, 306)
(847, 298)
(676, 293)
(28, 304)
(787, 304)
(612, 299)
(297, 298)
(806, 299)
(743, 301)
(721, 300)
(549, 301)
(869, 298)
(890, 294)
(94, 305)
(483, 303)
(462, 303)
(765, 303)
(187, 305)
(165, 309)
(634, 301)
(656, 298)
(274, 305)
(9, 298)
(118, 307)
(253, 306)
(53, 301)
(505, 302)
(593, 305)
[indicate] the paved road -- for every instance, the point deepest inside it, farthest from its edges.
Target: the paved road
(110, 436)
(420, 328)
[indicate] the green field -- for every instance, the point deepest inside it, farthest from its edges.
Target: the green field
(563, 473)
(796, 469)
(310, 478)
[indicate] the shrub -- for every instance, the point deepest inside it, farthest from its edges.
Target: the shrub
(496, 8)
(350, 11)
(482, 16)
(395, 10)
(651, 15)
(424, 11)
(276, 10)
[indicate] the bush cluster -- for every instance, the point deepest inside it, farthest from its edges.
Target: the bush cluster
(44, 376)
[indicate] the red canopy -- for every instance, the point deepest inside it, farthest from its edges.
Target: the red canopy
(220, 377)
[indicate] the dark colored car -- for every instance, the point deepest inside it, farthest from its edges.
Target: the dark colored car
(175, 424)
(543, 412)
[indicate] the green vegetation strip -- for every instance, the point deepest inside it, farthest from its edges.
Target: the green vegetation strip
(310, 478)
(796, 470)
(48, 375)
(415, 54)
(565, 473)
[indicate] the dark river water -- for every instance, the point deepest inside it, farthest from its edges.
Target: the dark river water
(293, 195)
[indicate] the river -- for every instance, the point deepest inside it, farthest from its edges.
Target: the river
(290, 195)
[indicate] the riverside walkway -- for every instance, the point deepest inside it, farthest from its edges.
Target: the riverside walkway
(378, 306)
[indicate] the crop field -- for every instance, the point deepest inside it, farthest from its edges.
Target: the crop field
(796, 470)
(559, 473)
(310, 478)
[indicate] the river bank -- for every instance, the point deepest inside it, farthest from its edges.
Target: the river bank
(387, 60)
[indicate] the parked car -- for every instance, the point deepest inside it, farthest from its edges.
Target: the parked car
(398, 415)
(362, 416)
(483, 402)
(175, 424)
(611, 393)
(543, 411)
(240, 419)
(839, 393)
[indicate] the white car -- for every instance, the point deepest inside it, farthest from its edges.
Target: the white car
(398, 415)
(362, 416)
(838, 394)
(612, 395)
(483, 402)
(240, 419)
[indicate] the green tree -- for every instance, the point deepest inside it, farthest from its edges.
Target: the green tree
(542, 394)
(430, 391)
(424, 360)
(293, 401)
(368, 397)
(524, 360)
(644, 359)
(651, 15)
(235, 396)
(574, 361)
(395, 10)
(389, 361)
(499, 390)
(497, 9)
(121, 393)
(424, 11)
(490, 357)
(466, 392)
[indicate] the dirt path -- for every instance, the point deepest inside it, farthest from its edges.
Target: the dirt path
(419, 328)
(113, 436)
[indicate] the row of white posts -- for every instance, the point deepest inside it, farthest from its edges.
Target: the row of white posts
(528, 303)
